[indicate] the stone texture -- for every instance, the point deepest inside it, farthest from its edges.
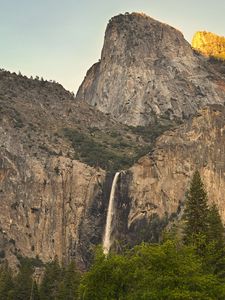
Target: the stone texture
(43, 204)
(147, 70)
(50, 203)
(158, 181)
(45, 194)
(56, 206)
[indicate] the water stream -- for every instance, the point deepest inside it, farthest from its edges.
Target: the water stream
(110, 213)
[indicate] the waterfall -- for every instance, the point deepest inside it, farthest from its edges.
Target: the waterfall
(110, 213)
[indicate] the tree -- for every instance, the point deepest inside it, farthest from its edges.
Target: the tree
(68, 287)
(204, 228)
(108, 278)
(6, 283)
(23, 281)
(215, 250)
(35, 292)
(52, 278)
(215, 227)
(150, 271)
(196, 213)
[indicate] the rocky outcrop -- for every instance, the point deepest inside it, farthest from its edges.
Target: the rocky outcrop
(158, 182)
(56, 206)
(209, 44)
(43, 204)
(148, 71)
(50, 203)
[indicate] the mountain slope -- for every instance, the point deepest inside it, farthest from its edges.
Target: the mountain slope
(52, 155)
(148, 71)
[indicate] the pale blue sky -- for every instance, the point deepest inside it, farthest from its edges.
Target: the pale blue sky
(61, 39)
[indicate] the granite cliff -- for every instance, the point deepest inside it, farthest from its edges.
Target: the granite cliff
(52, 203)
(58, 154)
(148, 71)
(151, 194)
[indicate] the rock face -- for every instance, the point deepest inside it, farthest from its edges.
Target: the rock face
(147, 71)
(43, 204)
(53, 193)
(51, 202)
(209, 44)
(53, 205)
(45, 194)
(156, 185)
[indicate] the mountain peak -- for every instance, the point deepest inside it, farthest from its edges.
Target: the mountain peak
(140, 27)
(147, 72)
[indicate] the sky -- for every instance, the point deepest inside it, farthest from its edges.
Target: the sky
(61, 39)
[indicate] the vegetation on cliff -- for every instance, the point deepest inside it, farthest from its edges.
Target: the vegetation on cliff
(209, 44)
(49, 122)
(114, 149)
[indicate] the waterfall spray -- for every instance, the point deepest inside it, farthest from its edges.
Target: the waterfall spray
(110, 213)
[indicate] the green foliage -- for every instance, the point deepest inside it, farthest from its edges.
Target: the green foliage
(31, 262)
(20, 287)
(60, 283)
(68, 287)
(114, 150)
(51, 281)
(196, 212)
(6, 284)
(108, 278)
(204, 229)
(35, 292)
(215, 227)
(215, 250)
(167, 271)
(23, 282)
(151, 132)
(98, 151)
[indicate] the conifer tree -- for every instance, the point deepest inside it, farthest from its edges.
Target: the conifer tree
(6, 283)
(24, 281)
(51, 280)
(68, 287)
(196, 212)
(215, 227)
(35, 292)
(215, 251)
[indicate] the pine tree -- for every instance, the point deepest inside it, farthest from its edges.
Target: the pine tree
(215, 250)
(6, 283)
(215, 227)
(24, 281)
(196, 212)
(68, 288)
(50, 283)
(35, 292)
